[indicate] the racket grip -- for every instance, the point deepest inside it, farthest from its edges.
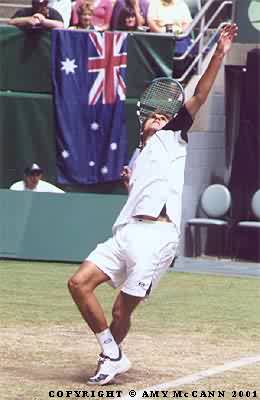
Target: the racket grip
(133, 158)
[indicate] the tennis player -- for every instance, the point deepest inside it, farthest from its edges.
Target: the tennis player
(146, 232)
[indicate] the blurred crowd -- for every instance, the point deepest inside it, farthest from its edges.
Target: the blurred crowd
(127, 15)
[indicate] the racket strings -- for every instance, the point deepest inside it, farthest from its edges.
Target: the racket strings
(163, 96)
(163, 91)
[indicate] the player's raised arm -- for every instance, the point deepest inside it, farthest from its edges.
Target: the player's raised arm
(207, 80)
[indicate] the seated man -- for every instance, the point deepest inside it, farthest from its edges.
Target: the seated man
(32, 181)
(39, 16)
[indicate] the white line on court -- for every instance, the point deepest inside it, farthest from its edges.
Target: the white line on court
(186, 380)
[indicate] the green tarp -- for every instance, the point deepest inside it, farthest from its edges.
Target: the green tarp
(25, 64)
(27, 135)
(149, 56)
(55, 227)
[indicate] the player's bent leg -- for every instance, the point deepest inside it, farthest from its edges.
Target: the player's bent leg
(109, 368)
(121, 313)
(81, 286)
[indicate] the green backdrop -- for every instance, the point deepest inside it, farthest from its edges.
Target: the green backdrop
(58, 227)
(26, 134)
(25, 64)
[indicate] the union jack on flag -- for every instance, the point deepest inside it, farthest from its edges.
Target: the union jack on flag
(109, 65)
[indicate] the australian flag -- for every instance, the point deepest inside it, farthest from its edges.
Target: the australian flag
(88, 74)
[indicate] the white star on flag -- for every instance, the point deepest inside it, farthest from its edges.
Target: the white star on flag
(65, 154)
(104, 170)
(68, 66)
(94, 126)
(113, 146)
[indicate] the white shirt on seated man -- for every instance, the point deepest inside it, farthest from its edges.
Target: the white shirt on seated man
(32, 181)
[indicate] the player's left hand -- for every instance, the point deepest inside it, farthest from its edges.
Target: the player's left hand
(227, 35)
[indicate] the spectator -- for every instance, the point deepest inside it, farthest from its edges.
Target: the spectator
(85, 13)
(169, 15)
(140, 7)
(64, 8)
(102, 12)
(127, 20)
(39, 16)
(32, 181)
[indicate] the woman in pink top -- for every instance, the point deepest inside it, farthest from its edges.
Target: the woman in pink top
(101, 15)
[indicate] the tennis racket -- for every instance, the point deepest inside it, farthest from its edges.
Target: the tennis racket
(163, 95)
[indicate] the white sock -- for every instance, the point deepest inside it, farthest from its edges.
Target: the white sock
(107, 343)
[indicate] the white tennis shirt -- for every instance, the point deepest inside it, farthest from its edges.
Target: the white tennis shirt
(158, 174)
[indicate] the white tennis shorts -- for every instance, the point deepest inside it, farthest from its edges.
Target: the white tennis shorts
(137, 255)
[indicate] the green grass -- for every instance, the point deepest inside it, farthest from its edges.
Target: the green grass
(34, 293)
(192, 322)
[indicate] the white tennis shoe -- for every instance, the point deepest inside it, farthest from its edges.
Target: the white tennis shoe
(108, 368)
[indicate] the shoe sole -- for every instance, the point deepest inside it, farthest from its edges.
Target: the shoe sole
(109, 378)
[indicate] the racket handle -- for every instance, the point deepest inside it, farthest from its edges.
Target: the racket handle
(133, 158)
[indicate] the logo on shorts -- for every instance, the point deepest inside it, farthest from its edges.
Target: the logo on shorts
(108, 341)
(142, 284)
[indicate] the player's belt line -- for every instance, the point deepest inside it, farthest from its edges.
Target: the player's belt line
(186, 380)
